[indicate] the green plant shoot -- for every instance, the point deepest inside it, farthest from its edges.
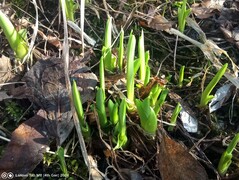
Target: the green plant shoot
(102, 75)
(206, 97)
(100, 107)
(181, 76)
(183, 13)
(120, 129)
(226, 158)
(173, 120)
(79, 110)
(154, 94)
(160, 101)
(109, 62)
(136, 65)
(148, 73)
(121, 50)
(148, 118)
(70, 10)
(113, 110)
(15, 40)
(142, 69)
(60, 154)
(130, 69)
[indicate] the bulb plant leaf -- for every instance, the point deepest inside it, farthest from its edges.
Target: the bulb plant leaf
(109, 62)
(136, 65)
(226, 158)
(148, 118)
(79, 110)
(100, 107)
(141, 50)
(102, 75)
(206, 97)
(173, 120)
(181, 76)
(121, 51)
(113, 110)
(15, 40)
(161, 100)
(130, 70)
(154, 94)
(183, 13)
(148, 71)
(70, 8)
(60, 154)
(120, 128)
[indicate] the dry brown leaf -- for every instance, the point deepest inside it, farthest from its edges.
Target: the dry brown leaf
(206, 9)
(25, 151)
(145, 90)
(158, 22)
(55, 41)
(45, 87)
(202, 12)
(5, 69)
(176, 163)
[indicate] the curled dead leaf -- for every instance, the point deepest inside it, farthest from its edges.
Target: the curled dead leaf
(28, 143)
(176, 163)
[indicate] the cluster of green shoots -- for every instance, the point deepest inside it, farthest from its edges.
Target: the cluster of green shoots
(118, 107)
(112, 113)
(206, 96)
(183, 13)
(147, 108)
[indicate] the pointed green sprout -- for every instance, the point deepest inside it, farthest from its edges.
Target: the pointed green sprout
(141, 51)
(226, 158)
(120, 129)
(148, 73)
(109, 62)
(154, 94)
(144, 67)
(121, 50)
(183, 13)
(60, 154)
(136, 65)
(100, 107)
(70, 9)
(173, 120)
(102, 75)
(16, 41)
(113, 110)
(160, 101)
(206, 97)
(79, 110)
(148, 118)
(130, 69)
(181, 76)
